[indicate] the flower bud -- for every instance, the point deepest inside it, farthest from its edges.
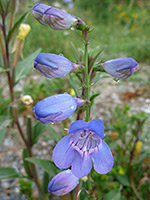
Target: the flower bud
(120, 68)
(53, 66)
(24, 29)
(58, 19)
(56, 108)
(38, 11)
(53, 17)
(26, 99)
(138, 147)
(63, 183)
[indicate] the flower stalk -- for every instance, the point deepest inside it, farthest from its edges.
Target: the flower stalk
(86, 74)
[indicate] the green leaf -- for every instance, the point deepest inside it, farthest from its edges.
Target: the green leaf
(24, 67)
(100, 76)
(8, 172)
(4, 122)
(97, 55)
(113, 195)
(4, 7)
(38, 130)
(2, 70)
(75, 51)
(73, 84)
(46, 179)
(2, 134)
(124, 180)
(1, 8)
(47, 165)
(16, 25)
(94, 96)
(53, 133)
(27, 166)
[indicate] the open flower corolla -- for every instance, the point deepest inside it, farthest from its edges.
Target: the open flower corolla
(83, 146)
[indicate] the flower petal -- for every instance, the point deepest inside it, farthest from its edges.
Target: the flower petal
(78, 125)
(81, 166)
(63, 155)
(97, 126)
(103, 159)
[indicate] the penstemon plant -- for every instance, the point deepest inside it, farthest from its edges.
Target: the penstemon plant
(83, 145)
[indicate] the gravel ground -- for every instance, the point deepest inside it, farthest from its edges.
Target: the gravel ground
(133, 93)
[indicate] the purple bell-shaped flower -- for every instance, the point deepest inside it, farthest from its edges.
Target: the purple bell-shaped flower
(53, 17)
(56, 108)
(83, 146)
(53, 66)
(63, 183)
(120, 68)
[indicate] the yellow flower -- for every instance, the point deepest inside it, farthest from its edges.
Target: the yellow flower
(134, 15)
(121, 171)
(24, 29)
(114, 135)
(72, 92)
(26, 99)
(138, 147)
(122, 14)
(89, 22)
(84, 178)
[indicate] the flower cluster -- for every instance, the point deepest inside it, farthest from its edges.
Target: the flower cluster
(84, 145)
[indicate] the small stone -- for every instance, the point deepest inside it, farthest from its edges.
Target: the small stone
(141, 99)
(17, 190)
(4, 184)
(44, 144)
(8, 142)
(147, 100)
(44, 151)
(51, 142)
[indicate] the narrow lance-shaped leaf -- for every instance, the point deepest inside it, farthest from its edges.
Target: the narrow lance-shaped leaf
(24, 67)
(93, 61)
(73, 84)
(27, 166)
(38, 130)
(75, 51)
(47, 165)
(4, 122)
(46, 179)
(53, 133)
(16, 25)
(8, 172)
(94, 96)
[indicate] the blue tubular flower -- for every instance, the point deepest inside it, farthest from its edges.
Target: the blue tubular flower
(38, 11)
(63, 183)
(56, 108)
(58, 19)
(120, 68)
(53, 66)
(53, 17)
(83, 146)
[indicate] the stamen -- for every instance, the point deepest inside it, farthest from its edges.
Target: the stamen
(85, 141)
(82, 135)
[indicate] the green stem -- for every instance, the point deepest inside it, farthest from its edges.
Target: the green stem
(86, 79)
